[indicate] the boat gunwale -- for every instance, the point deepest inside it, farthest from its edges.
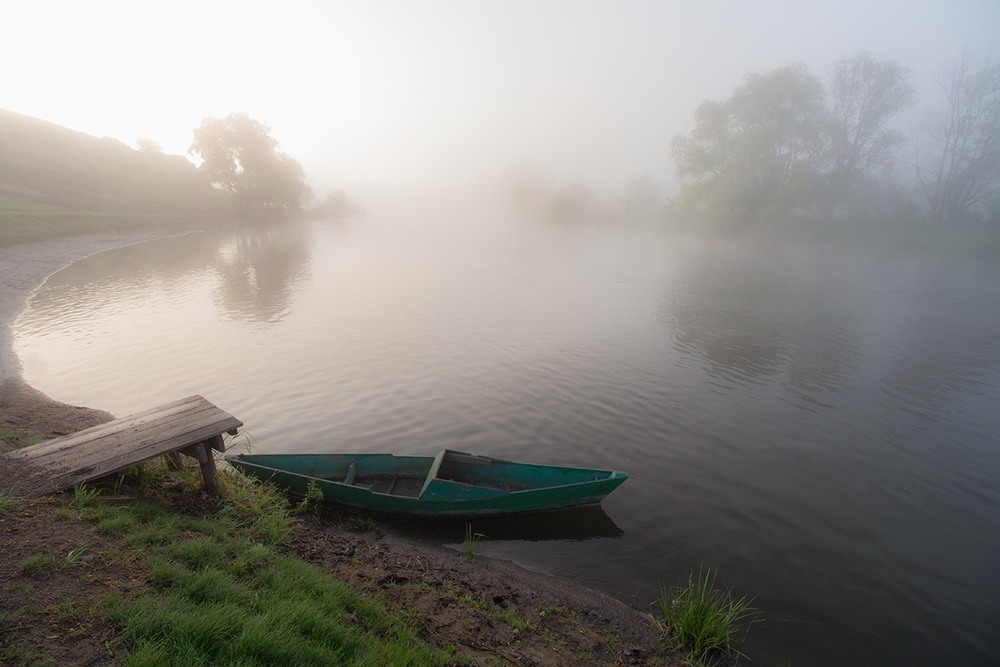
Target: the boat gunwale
(611, 475)
(419, 506)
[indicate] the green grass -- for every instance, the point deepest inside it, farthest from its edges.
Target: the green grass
(28, 221)
(222, 592)
(312, 500)
(83, 496)
(74, 558)
(516, 622)
(221, 589)
(66, 611)
(11, 439)
(34, 565)
(704, 619)
(471, 539)
(116, 524)
(258, 507)
(6, 502)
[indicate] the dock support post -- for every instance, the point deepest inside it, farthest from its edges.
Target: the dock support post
(202, 452)
(207, 464)
(191, 426)
(208, 471)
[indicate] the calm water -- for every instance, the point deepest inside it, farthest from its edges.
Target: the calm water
(820, 425)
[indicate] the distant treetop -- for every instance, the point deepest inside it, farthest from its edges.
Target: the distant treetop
(240, 156)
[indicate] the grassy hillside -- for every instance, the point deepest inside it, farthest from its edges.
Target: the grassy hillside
(22, 220)
(50, 164)
(55, 181)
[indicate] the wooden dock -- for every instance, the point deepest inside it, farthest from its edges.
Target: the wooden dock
(191, 426)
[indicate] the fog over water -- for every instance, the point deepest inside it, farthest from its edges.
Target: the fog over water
(379, 98)
(807, 401)
(819, 423)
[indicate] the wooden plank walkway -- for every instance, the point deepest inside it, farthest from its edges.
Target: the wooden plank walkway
(191, 426)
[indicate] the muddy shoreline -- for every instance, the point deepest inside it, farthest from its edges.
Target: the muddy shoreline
(367, 560)
(23, 268)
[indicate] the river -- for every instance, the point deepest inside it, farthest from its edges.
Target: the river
(820, 424)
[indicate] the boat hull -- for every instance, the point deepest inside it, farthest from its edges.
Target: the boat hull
(449, 485)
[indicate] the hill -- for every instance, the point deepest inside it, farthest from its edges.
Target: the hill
(45, 163)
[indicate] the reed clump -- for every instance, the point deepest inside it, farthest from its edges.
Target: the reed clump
(6, 502)
(703, 619)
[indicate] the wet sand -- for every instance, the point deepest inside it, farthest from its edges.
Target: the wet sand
(23, 268)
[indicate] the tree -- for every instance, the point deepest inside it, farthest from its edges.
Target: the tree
(572, 204)
(759, 151)
(642, 196)
(337, 205)
(958, 167)
(240, 156)
(144, 145)
(865, 95)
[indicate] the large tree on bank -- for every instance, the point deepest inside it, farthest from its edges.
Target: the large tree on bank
(240, 156)
(865, 95)
(759, 152)
(958, 160)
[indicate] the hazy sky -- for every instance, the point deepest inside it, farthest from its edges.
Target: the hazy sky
(382, 95)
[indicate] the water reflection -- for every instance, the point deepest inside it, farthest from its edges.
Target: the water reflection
(857, 390)
(820, 425)
(261, 268)
(757, 313)
(102, 282)
(943, 348)
(257, 271)
(583, 523)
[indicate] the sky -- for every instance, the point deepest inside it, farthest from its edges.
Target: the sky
(399, 96)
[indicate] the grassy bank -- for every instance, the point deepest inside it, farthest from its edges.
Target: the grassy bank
(212, 588)
(222, 592)
(149, 571)
(22, 221)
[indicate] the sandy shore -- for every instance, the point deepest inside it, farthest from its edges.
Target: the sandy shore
(25, 267)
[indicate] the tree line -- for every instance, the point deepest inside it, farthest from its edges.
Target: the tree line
(240, 156)
(784, 144)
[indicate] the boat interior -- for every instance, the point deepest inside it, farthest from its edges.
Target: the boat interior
(411, 481)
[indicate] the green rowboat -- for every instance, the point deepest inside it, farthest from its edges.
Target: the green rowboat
(451, 484)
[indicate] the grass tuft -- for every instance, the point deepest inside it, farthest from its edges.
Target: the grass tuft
(167, 573)
(35, 565)
(198, 553)
(11, 439)
(75, 558)
(471, 539)
(118, 524)
(248, 557)
(83, 496)
(6, 502)
(261, 506)
(312, 500)
(704, 619)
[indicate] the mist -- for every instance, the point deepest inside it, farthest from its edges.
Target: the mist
(389, 99)
(650, 236)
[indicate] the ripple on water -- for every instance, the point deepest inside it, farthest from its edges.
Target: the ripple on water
(820, 427)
